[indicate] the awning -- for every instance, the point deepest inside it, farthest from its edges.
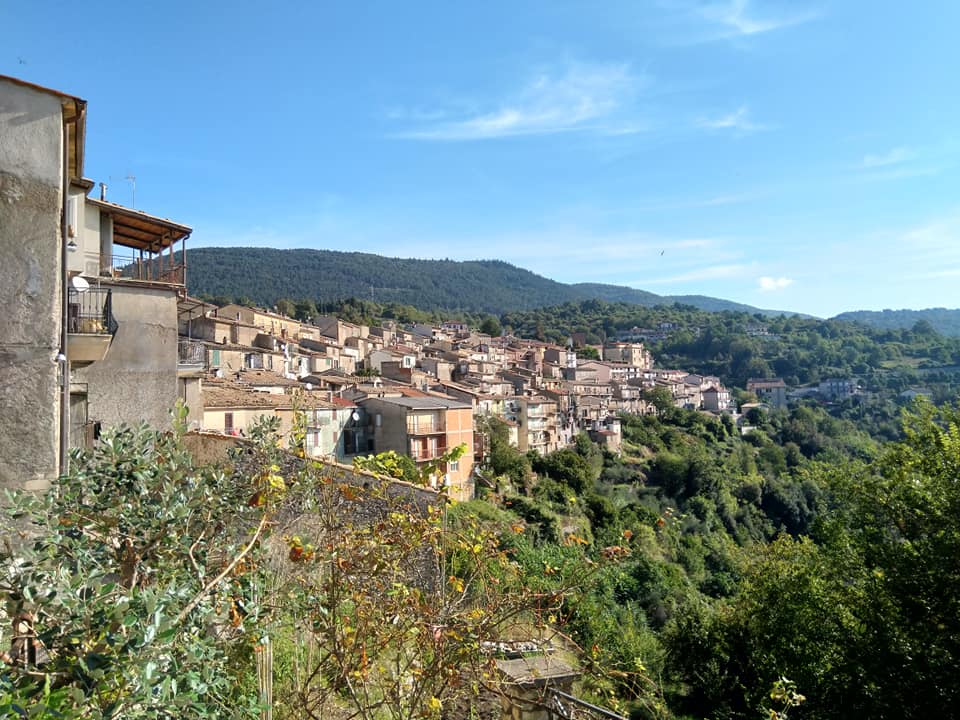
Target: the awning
(138, 230)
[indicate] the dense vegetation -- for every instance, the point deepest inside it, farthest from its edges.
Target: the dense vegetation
(699, 574)
(943, 320)
(144, 585)
(323, 277)
(803, 550)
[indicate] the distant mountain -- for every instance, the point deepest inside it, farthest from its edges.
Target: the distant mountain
(264, 275)
(943, 320)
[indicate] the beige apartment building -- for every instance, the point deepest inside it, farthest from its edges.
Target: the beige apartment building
(426, 427)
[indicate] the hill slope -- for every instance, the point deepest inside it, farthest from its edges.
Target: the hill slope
(265, 275)
(943, 320)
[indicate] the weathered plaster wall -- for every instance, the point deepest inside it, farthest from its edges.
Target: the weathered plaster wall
(137, 380)
(190, 392)
(30, 210)
(391, 433)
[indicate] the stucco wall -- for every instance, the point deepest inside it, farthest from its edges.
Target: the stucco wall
(30, 210)
(189, 391)
(391, 433)
(137, 380)
(460, 431)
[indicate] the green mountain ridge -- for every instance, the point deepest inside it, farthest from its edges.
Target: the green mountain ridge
(943, 320)
(265, 275)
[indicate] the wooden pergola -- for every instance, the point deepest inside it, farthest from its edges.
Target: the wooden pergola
(149, 237)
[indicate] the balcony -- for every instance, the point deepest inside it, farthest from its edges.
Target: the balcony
(191, 355)
(144, 247)
(422, 452)
(425, 425)
(90, 324)
(152, 268)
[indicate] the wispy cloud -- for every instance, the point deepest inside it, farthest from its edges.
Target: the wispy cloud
(771, 284)
(901, 172)
(578, 98)
(737, 121)
(701, 202)
(741, 18)
(898, 163)
(896, 156)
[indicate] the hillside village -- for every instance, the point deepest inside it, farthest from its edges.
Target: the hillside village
(417, 390)
(716, 560)
(115, 337)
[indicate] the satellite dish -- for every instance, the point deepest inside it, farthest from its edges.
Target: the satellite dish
(79, 284)
(309, 386)
(355, 416)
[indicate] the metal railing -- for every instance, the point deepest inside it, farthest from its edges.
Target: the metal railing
(158, 268)
(425, 428)
(421, 453)
(567, 707)
(90, 312)
(190, 352)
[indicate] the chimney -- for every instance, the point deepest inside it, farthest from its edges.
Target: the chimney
(103, 191)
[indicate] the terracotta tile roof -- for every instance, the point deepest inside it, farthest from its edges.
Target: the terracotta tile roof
(218, 393)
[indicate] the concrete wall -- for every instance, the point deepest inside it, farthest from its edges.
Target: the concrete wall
(30, 209)
(189, 390)
(391, 433)
(137, 380)
(214, 419)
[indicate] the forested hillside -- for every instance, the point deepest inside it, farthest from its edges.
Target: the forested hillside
(737, 346)
(264, 276)
(942, 320)
(803, 550)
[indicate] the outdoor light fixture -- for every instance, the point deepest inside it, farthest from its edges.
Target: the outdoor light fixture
(72, 246)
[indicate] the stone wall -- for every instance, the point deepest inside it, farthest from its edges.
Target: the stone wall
(378, 497)
(30, 211)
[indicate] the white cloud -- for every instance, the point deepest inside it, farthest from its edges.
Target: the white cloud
(738, 121)
(770, 284)
(896, 156)
(702, 202)
(737, 18)
(581, 97)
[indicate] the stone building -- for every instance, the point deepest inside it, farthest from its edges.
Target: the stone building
(91, 294)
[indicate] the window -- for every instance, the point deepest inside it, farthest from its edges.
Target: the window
(228, 423)
(453, 466)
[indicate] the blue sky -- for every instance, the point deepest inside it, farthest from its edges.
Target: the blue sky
(794, 155)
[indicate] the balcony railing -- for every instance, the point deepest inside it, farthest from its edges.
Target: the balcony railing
(425, 428)
(90, 312)
(422, 453)
(191, 353)
(158, 268)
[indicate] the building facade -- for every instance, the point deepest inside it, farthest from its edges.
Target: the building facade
(92, 292)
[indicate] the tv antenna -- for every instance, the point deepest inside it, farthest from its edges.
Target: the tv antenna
(132, 179)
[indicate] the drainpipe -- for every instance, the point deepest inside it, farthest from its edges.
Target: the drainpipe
(63, 457)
